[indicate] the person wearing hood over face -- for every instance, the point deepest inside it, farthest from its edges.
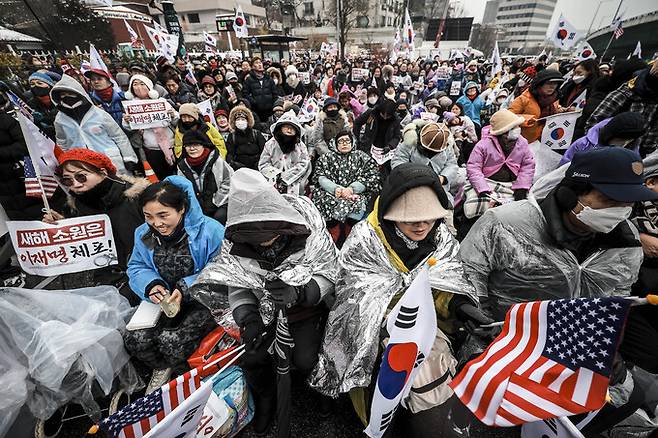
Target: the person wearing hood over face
(349, 103)
(381, 128)
(203, 165)
(500, 168)
(577, 242)
(285, 159)
(538, 101)
(157, 143)
(293, 85)
(379, 259)
(245, 143)
(45, 110)
(191, 120)
(277, 78)
(500, 97)
(473, 102)
(280, 266)
(373, 97)
(345, 180)
(81, 124)
(329, 122)
(171, 249)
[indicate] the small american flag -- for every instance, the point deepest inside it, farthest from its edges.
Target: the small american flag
(139, 417)
(619, 30)
(20, 105)
(32, 187)
(552, 359)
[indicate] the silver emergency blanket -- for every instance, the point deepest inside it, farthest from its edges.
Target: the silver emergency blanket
(320, 257)
(509, 257)
(367, 282)
(55, 344)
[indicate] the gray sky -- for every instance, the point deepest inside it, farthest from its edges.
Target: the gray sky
(579, 12)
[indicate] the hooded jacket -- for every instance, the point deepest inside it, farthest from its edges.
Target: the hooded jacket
(211, 184)
(97, 130)
(183, 95)
(589, 141)
(473, 107)
(487, 158)
(294, 168)
(253, 200)
(357, 107)
(317, 144)
(113, 107)
(444, 163)
(204, 235)
(366, 126)
(244, 147)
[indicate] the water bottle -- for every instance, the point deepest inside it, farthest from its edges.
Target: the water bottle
(169, 309)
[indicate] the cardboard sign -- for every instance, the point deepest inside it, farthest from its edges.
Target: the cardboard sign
(72, 245)
(442, 73)
(379, 156)
(145, 114)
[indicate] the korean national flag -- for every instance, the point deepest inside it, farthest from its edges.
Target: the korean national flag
(558, 131)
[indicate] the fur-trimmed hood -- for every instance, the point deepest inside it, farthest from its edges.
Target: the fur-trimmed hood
(275, 73)
(387, 72)
(234, 113)
(131, 193)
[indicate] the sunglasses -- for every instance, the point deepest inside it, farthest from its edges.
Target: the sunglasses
(68, 181)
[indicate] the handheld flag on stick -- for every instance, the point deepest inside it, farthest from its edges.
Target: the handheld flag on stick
(96, 62)
(412, 328)
(638, 51)
(586, 52)
(134, 38)
(496, 62)
(565, 34)
(409, 34)
(558, 130)
(240, 24)
(617, 26)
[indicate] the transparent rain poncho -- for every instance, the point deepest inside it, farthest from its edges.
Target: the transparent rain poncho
(54, 345)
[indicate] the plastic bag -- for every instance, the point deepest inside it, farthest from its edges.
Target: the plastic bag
(56, 345)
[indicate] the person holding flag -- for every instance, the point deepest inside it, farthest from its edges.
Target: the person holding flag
(45, 110)
(379, 259)
(584, 76)
(575, 242)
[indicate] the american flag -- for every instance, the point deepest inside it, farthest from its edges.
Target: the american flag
(619, 30)
(32, 187)
(139, 417)
(20, 105)
(552, 359)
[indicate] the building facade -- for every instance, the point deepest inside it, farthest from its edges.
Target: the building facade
(526, 23)
(490, 12)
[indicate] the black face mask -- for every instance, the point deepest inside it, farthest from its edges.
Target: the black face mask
(71, 101)
(286, 142)
(424, 151)
(403, 73)
(332, 113)
(402, 114)
(188, 125)
(40, 91)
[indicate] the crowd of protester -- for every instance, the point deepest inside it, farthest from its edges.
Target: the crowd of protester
(324, 214)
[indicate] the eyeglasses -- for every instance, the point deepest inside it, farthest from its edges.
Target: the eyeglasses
(68, 181)
(344, 141)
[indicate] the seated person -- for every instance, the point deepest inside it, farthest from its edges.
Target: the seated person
(345, 181)
(191, 120)
(500, 168)
(203, 165)
(171, 248)
(280, 266)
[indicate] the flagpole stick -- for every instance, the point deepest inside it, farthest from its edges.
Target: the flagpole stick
(224, 356)
(43, 195)
(571, 428)
(230, 362)
(613, 32)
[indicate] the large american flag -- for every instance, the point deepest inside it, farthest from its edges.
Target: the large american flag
(139, 417)
(552, 359)
(32, 187)
(619, 30)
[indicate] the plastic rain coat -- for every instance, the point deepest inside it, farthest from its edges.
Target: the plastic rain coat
(54, 344)
(367, 282)
(318, 259)
(509, 257)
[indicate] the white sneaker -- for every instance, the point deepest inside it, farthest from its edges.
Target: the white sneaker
(158, 378)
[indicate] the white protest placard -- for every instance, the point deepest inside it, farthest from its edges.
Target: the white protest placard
(207, 114)
(379, 156)
(455, 88)
(429, 116)
(442, 73)
(305, 77)
(360, 74)
(71, 245)
(396, 80)
(145, 114)
(215, 415)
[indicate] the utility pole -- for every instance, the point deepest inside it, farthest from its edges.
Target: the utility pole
(613, 32)
(338, 26)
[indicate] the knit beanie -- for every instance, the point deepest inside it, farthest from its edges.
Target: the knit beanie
(208, 80)
(153, 94)
(195, 136)
(627, 125)
(88, 156)
(278, 103)
(190, 109)
(43, 77)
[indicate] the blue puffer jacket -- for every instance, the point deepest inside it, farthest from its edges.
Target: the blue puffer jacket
(473, 107)
(205, 236)
(113, 107)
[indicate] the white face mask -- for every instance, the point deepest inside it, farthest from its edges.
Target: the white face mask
(276, 81)
(390, 96)
(372, 100)
(514, 134)
(603, 220)
(578, 78)
(241, 124)
(500, 100)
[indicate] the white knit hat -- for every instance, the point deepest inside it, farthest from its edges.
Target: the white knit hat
(153, 94)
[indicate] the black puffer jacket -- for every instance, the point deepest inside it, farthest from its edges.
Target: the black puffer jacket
(12, 186)
(244, 148)
(184, 95)
(260, 93)
(368, 125)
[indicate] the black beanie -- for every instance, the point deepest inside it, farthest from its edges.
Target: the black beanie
(627, 125)
(194, 136)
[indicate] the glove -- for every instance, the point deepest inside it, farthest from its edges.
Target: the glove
(130, 167)
(253, 332)
(520, 194)
(310, 294)
(282, 293)
(472, 316)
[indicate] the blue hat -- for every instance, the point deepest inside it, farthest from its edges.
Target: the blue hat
(328, 101)
(614, 171)
(42, 77)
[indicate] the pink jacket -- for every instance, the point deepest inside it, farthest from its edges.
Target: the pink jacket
(357, 107)
(487, 158)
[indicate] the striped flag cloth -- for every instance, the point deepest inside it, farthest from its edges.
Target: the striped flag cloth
(552, 359)
(20, 105)
(139, 417)
(619, 30)
(32, 187)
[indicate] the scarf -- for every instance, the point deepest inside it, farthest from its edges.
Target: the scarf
(331, 127)
(106, 94)
(410, 252)
(198, 161)
(94, 197)
(45, 100)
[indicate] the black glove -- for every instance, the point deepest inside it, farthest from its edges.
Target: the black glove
(253, 332)
(310, 294)
(282, 293)
(472, 316)
(130, 167)
(520, 194)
